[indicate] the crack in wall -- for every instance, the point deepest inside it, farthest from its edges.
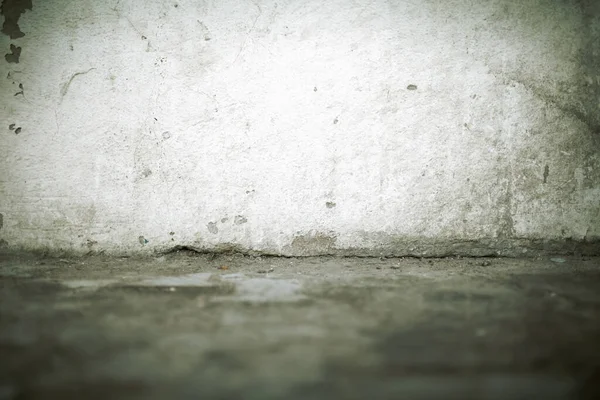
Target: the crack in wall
(65, 87)
(249, 32)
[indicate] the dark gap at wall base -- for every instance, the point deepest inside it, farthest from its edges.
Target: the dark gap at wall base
(509, 248)
(433, 249)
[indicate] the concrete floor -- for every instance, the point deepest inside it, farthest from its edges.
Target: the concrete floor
(232, 327)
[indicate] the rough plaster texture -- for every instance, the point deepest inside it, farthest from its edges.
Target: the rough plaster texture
(301, 127)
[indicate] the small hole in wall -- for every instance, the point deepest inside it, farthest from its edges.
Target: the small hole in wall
(18, 130)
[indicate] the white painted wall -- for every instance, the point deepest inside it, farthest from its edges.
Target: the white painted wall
(289, 127)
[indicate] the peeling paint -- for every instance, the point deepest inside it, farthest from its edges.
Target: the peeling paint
(14, 55)
(12, 10)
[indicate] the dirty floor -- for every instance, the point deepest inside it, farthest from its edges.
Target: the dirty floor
(188, 326)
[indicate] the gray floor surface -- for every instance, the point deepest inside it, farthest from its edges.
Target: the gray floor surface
(188, 326)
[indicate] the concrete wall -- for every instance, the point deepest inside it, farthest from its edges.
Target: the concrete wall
(301, 127)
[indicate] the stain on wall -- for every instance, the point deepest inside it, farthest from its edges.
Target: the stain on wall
(240, 219)
(588, 106)
(212, 228)
(312, 243)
